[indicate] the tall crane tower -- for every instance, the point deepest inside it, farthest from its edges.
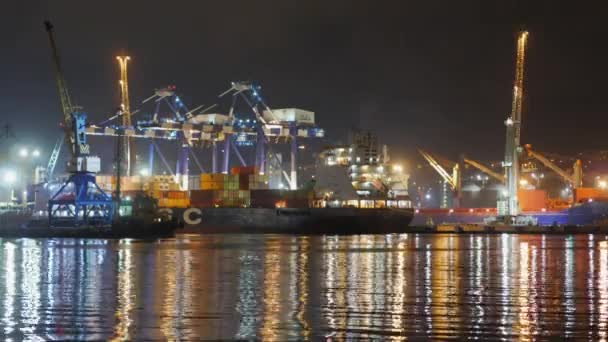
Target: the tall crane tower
(79, 201)
(513, 131)
(64, 96)
(128, 146)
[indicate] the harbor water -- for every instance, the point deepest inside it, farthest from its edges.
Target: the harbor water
(282, 287)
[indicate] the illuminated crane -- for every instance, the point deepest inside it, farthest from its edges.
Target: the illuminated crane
(513, 130)
(128, 147)
(79, 201)
(454, 180)
(576, 178)
(485, 169)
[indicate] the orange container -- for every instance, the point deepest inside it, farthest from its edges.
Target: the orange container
(586, 194)
(176, 194)
(532, 200)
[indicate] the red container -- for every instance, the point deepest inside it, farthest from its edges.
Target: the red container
(198, 197)
(243, 170)
(243, 182)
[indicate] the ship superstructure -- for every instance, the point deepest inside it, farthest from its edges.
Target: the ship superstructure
(360, 174)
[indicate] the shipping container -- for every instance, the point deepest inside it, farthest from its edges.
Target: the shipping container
(274, 198)
(177, 194)
(582, 195)
(173, 203)
(290, 115)
(194, 182)
(243, 170)
(532, 200)
(212, 185)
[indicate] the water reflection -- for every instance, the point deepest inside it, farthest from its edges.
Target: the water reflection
(306, 288)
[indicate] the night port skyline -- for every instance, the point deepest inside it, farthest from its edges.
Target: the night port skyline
(441, 70)
(319, 170)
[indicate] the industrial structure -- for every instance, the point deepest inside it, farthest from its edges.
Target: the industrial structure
(510, 204)
(128, 146)
(196, 128)
(79, 201)
(361, 175)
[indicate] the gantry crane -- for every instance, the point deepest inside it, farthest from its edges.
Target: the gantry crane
(79, 201)
(513, 130)
(575, 179)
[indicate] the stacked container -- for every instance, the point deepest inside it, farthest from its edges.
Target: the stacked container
(258, 182)
(219, 181)
(220, 198)
(232, 198)
(194, 182)
(280, 198)
(173, 199)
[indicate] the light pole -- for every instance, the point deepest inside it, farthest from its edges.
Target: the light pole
(10, 177)
(27, 157)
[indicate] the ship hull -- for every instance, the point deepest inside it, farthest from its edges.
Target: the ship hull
(293, 220)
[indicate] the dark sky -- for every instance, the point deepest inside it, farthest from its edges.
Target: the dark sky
(436, 74)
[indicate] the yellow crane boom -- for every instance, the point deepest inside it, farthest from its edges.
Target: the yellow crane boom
(576, 179)
(450, 179)
(486, 170)
(64, 96)
(125, 108)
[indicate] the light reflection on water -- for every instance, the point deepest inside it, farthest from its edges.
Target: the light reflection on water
(306, 288)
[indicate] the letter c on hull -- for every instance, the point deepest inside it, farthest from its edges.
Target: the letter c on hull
(193, 216)
(166, 211)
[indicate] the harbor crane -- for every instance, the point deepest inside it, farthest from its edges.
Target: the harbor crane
(128, 147)
(454, 179)
(499, 177)
(79, 201)
(513, 131)
(575, 179)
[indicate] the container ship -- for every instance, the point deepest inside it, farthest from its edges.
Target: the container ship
(242, 201)
(352, 190)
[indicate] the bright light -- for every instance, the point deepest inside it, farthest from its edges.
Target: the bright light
(478, 177)
(23, 152)
(590, 200)
(427, 196)
(144, 172)
(543, 210)
(398, 168)
(523, 182)
(36, 153)
(10, 177)
(451, 211)
(281, 186)
(602, 184)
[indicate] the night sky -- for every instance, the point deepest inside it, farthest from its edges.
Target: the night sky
(432, 74)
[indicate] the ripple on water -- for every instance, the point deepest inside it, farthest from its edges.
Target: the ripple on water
(301, 288)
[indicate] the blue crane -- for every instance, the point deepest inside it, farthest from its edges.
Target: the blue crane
(79, 201)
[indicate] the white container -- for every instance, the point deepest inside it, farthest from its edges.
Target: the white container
(299, 116)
